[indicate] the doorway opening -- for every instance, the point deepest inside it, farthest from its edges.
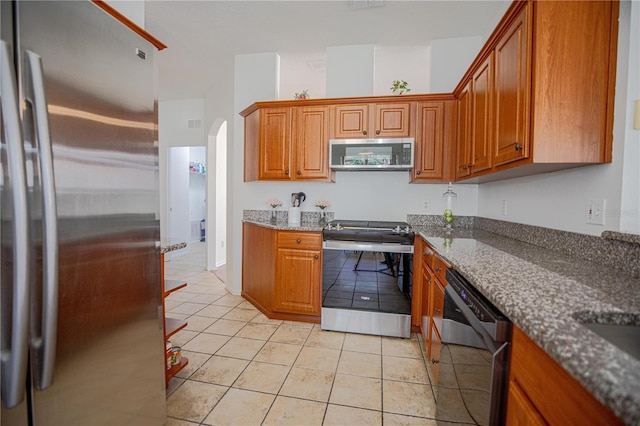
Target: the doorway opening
(217, 190)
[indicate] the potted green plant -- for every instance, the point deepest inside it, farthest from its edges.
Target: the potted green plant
(303, 95)
(398, 87)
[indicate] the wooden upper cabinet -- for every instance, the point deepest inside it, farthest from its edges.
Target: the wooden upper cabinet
(434, 142)
(275, 143)
(481, 115)
(463, 132)
(311, 154)
(377, 120)
(512, 89)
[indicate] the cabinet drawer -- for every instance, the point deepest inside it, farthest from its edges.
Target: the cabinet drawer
(440, 268)
(300, 240)
(434, 354)
(437, 304)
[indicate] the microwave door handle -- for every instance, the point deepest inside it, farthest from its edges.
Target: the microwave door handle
(15, 357)
(44, 345)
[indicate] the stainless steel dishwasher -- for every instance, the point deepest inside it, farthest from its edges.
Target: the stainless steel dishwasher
(474, 358)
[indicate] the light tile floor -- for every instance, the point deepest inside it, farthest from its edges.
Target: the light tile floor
(245, 369)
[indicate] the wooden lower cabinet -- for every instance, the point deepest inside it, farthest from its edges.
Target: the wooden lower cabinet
(542, 392)
(282, 272)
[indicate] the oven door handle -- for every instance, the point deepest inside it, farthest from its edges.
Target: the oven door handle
(363, 246)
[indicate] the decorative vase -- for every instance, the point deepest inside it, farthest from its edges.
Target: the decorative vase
(323, 217)
(449, 203)
(274, 215)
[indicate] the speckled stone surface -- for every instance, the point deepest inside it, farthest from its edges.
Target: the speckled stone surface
(308, 220)
(547, 293)
(620, 236)
(438, 220)
(167, 247)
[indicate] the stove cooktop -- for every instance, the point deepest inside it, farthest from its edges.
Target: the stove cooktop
(369, 231)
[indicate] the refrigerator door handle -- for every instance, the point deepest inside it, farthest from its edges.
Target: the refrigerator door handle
(15, 334)
(44, 345)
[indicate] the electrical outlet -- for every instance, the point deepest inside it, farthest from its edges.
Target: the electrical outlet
(595, 211)
(426, 206)
(504, 208)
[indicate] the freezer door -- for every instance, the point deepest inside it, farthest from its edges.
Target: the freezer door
(94, 217)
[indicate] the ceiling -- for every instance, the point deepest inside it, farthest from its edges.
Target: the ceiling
(203, 36)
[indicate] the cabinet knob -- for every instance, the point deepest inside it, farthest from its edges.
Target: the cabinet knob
(435, 361)
(469, 165)
(377, 132)
(299, 172)
(428, 280)
(436, 310)
(315, 257)
(438, 269)
(418, 172)
(465, 167)
(518, 146)
(298, 241)
(286, 172)
(364, 132)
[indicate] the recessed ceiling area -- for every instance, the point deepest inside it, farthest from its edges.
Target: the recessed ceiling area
(204, 36)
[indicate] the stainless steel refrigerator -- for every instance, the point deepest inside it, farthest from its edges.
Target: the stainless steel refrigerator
(81, 307)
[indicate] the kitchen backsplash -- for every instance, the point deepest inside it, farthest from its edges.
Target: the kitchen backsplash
(283, 216)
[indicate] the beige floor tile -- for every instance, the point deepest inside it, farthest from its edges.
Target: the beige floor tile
(362, 343)
(294, 335)
(240, 314)
(205, 298)
(263, 319)
(196, 360)
(411, 399)
(225, 327)
(360, 364)
(338, 415)
(215, 311)
(262, 377)
(257, 331)
(229, 300)
(325, 339)
(238, 347)
(278, 353)
(206, 343)
(194, 400)
(198, 323)
(391, 419)
(188, 308)
(292, 411)
(407, 348)
(181, 296)
(404, 369)
(240, 407)
(220, 370)
(178, 422)
(174, 383)
(302, 324)
(308, 384)
(355, 391)
(318, 358)
(182, 337)
(247, 305)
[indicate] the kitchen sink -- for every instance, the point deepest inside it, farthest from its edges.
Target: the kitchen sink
(624, 336)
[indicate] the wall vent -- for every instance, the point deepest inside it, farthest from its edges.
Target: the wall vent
(194, 123)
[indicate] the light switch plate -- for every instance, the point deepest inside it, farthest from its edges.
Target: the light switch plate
(596, 211)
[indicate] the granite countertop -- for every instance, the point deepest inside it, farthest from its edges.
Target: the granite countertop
(284, 225)
(547, 295)
(167, 246)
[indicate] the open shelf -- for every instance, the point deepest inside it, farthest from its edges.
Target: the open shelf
(172, 326)
(173, 285)
(177, 367)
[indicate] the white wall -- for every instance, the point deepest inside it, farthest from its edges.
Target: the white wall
(305, 71)
(173, 130)
(409, 63)
(197, 185)
(350, 70)
(558, 200)
(178, 194)
(450, 59)
(220, 189)
(133, 10)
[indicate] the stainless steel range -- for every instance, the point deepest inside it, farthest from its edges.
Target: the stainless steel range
(366, 285)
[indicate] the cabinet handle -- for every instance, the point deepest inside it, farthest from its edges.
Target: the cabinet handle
(315, 257)
(436, 310)
(286, 172)
(469, 165)
(298, 241)
(418, 172)
(438, 269)
(428, 280)
(435, 361)
(465, 167)
(377, 132)
(518, 146)
(364, 132)
(299, 172)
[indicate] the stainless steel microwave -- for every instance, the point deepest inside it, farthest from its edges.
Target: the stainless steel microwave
(371, 154)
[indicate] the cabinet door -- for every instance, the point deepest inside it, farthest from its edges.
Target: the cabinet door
(297, 287)
(312, 143)
(437, 303)
(275, 143)
(481, 116)
(351, 121)
(520, 410)
(463, 140)
(425, 326)
(512, 88)
(433, 140)
(434, 354)
(392, 120)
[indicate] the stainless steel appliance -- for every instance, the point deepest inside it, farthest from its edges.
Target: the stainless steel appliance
(371, 154)
(474, 357)
(81, 331)
(366, 282)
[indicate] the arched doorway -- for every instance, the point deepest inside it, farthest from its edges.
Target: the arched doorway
(217, 195)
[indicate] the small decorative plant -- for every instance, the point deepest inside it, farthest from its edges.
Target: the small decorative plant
(274, 203)
(398, 87)
(322, 204)
(303, 95)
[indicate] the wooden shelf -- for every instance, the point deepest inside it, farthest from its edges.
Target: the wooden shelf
(175, 368)
(172, 326)
(173, 285)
